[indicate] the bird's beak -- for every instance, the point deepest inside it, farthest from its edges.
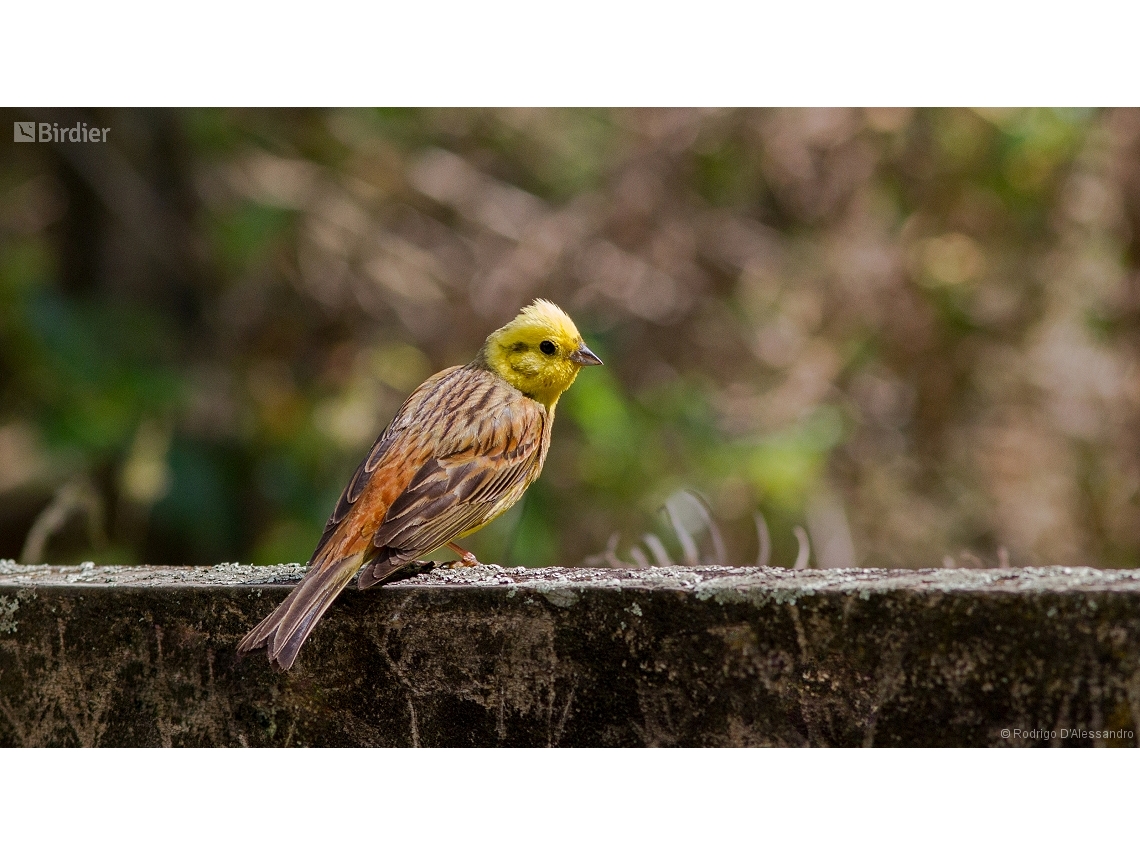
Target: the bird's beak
(584, 356)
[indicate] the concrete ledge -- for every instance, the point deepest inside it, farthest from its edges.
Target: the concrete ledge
(560, 656)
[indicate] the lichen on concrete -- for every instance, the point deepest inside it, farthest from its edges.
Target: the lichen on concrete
(8, 608)
(576, 656)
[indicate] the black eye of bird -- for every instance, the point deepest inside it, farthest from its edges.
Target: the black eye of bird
(548, 348)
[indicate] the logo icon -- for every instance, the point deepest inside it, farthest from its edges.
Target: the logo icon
(24, 131)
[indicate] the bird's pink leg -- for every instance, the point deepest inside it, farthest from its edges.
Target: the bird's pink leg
(467, 559)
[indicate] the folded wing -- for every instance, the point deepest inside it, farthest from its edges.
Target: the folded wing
(492, 460)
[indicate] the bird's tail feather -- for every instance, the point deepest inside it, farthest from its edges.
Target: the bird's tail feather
(286, 629)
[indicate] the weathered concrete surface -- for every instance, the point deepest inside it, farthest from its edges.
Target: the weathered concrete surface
(493, 656)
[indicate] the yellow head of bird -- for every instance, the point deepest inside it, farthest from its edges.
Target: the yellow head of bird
(539, 352)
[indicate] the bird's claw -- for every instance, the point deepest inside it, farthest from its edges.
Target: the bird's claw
(466, 557)
(458, 562)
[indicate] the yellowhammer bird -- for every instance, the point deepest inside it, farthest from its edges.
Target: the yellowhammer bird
(461, 450)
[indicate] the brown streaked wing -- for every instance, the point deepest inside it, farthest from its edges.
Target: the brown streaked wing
(494, 454)
(422, 410)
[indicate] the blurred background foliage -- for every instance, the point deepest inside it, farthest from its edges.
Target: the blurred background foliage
(912, 332)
